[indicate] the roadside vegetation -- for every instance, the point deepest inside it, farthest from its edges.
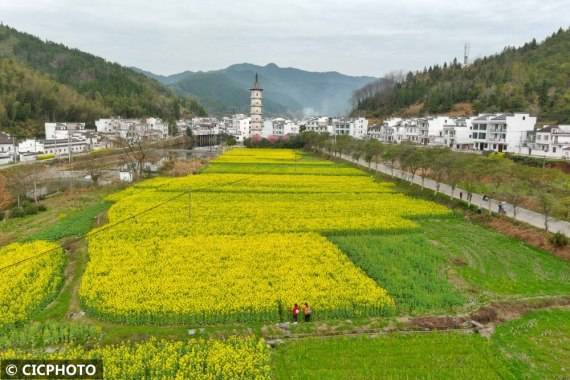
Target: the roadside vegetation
(544, 190)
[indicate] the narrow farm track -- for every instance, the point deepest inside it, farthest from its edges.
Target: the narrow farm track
(482, 321)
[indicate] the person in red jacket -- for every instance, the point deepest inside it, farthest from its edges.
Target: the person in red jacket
(295, 313)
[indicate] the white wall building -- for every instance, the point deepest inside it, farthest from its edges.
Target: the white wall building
(319, 125)
(8, 149)
(502, 132)
(62, 147)
(359, 128)
(60, 131)
(132, 129)
(553, 141)
(284, 127)
(278, 126)
(457, 132)
(431, 130)
(31, 146)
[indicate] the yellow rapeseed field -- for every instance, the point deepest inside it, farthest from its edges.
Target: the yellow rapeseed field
(29, 284)
(241, 246)
(216, 278)
(238, 358)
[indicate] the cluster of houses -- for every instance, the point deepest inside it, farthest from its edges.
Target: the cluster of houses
(64, 139)
(498, 132)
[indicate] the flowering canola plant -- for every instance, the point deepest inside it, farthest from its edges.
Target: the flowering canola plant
(216, 278)
(197, 359)
(28, 281)
(240, 246)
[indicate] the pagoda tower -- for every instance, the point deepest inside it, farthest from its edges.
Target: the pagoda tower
(256, 108)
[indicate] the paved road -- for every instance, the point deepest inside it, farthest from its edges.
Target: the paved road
(524, 215)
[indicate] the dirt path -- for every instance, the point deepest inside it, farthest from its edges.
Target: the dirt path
(482, 321)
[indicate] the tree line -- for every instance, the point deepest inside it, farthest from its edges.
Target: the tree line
(542, 189)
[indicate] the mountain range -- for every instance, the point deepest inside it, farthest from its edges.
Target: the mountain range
(287, 91)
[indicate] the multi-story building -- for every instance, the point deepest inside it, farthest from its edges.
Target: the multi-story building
(284, 127)
(256, 108)
(31, 146)
(552, 140)
(341, 126)
(278, 126)
(60, 131)
(359, 128)
(456, 133)
(8, 148)
(132, 129)
(319, 125)
(502, 132)
(431, 130)
(239, 127)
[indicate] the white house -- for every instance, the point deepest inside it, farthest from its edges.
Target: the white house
(278, 126)
(431, 130)
(31, 146)
(407, 130)
(359, 128)
(552, 140)
(502, 132)
(341, 126)
(8, 149)
(291, 128)
(284, 127)
(62, 147)
(456, 133)
(59, 131)
(319, 125)
(132, 129)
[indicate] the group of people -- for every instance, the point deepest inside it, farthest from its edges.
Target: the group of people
(306, 312)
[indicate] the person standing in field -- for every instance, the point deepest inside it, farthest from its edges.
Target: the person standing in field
(295, 313)
(307, 312)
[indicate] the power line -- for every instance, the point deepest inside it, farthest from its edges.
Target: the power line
(109, 226)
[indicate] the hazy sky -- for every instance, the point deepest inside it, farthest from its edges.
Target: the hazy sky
(351, 36)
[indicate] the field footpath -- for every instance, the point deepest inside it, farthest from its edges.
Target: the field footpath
(482, 321)
(522, 214)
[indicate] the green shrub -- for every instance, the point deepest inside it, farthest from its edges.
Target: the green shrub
(17, 212)
(559, 240)
(46, 156)
(30, 209)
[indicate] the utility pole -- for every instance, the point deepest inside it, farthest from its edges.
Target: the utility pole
(69, 143)
(190, 204)
(14, 148)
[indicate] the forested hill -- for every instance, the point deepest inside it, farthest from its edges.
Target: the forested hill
(534, 77)
(45, 81)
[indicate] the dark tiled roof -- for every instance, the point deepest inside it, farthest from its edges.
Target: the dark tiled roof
(548, 128)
